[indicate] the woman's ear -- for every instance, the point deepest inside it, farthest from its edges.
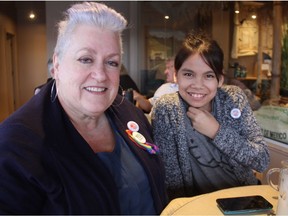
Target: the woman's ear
(55, 66)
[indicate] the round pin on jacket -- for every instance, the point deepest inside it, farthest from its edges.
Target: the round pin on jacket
(235, 113)
(138, 137)
(133, 126)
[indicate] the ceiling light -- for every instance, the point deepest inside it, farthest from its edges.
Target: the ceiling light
(32, 15)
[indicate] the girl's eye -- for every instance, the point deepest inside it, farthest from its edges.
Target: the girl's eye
(188, 74)
(210, 76)
(85, 60)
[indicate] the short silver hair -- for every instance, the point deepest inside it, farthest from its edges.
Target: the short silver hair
(92, 13)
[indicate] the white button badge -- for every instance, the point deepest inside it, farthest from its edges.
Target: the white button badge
(235, 113)
(132, 126)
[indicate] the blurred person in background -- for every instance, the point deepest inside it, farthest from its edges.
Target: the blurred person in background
(169, 87)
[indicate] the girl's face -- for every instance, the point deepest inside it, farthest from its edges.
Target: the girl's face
(87, 75)
(197, 82)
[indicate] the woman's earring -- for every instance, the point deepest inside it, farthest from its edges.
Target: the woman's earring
(122, 99)
(53, 98)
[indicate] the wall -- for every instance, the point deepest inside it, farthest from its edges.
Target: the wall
(32, 62)
(7, 25)
(23, 56)
(31, 39)
(54, 11)
(221, 33)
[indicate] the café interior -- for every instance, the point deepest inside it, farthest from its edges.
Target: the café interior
(252, 34)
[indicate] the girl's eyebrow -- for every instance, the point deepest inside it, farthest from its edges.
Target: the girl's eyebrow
(211, 71)
(187, 70)
(191, 71)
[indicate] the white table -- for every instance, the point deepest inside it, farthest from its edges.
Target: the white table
(206, 204)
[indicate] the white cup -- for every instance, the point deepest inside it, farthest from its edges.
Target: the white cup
(282, 187)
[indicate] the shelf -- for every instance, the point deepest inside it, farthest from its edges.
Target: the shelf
(252, 78)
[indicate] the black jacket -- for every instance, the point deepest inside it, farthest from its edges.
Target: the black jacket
(46, 167)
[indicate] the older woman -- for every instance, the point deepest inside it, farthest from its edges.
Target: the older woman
(78, 147)
(207, 133)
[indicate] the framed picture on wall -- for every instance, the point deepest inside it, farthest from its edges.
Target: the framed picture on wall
(247, 38)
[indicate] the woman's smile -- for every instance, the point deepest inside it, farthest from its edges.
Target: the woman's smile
(95, 89)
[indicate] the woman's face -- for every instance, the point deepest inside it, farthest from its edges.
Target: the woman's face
(87, 75)
(197, 82)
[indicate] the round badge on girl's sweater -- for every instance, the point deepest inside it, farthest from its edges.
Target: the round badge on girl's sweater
(235, 113)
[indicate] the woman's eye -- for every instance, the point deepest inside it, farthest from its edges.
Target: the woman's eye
(85, 60)
(113, 63)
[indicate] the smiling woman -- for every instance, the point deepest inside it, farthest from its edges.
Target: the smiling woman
(68, 150)
(207, 133)
(87, 72)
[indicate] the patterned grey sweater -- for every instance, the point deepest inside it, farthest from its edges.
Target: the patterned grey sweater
(239, 140)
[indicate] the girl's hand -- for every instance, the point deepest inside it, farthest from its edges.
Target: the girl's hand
(203, 121)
